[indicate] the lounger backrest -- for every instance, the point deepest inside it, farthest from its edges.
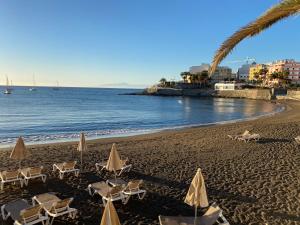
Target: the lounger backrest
(69, 165)
(211, 215)
(33, 171)
(134, 185)
(246, 132)
(214, 208)
(30, 214)
(115, 191)
(61, 206)
(10, 175)
(124, 161)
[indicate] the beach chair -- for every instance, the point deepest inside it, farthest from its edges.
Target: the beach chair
(125, 168)
(235, 137)
(66, 167)
(54, 206)
(23, 213)
(297, 139)
(108, 193)
(133, 188)
(250, 137)
(32, 173)
(212, 216)
(10, 177)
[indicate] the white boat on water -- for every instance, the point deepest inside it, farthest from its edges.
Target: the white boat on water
(33, 88)
(7, 90)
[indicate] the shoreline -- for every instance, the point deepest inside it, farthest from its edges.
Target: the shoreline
(252, 182)
(281, 108)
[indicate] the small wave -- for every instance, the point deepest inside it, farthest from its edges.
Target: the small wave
(48, 138)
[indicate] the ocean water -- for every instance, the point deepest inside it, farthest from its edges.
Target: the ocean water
(46, 115)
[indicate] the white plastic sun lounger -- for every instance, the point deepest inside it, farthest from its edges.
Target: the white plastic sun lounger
(10, 177)
(54, 206)
(108, 193)
(23, 213)
(250, 137)
(66, 167)
(235, 137)
(32, 173)
(125, 168)
(212, 216)
(133, 188)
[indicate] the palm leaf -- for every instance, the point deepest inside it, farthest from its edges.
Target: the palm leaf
(278, 12)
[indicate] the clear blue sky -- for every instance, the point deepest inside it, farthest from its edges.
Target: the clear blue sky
(90, 43)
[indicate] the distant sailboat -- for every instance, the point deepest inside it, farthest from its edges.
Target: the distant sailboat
(7, 90)
(11, 85)
(57, 86)
(33, 88)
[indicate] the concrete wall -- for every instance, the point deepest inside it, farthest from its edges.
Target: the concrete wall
(179, 92)
(293, 94)
(264, 94)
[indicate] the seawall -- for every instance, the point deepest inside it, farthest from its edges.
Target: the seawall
(293, 94)
(263, 94)
(178, 92)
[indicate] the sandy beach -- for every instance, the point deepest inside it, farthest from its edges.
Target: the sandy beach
(254, 183)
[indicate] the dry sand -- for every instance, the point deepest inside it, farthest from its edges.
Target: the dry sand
(254, 183)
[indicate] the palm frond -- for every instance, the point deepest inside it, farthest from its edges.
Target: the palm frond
(278, 12)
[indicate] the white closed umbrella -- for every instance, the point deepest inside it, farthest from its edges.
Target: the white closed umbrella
(82, 147)
(197, 195)
(20, 151)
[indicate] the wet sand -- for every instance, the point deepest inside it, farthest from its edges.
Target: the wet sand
(254, 183)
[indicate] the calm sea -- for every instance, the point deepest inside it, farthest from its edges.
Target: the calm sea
(46, 115)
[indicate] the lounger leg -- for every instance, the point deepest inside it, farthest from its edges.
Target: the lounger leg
(119, 174)
(125, 200)
(44, 177)
(72, 215)
(2, 185)
(54, 168)
(77, 173)
(52, 220)
(142, 196)
(129, 168)
(21, 182)
(2, 212)
(33, 202)
(26, 181)
(61, 175)
(90, 190)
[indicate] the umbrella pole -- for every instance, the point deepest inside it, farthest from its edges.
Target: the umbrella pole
(195, 221)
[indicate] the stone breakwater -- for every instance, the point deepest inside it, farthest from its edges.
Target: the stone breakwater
(262, 94)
